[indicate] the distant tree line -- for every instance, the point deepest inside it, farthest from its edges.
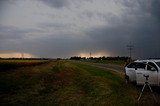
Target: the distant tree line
(78, 58)
(100, 58)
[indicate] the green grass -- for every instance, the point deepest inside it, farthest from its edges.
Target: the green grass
(115, 62)
(65, 83)
(106, 87)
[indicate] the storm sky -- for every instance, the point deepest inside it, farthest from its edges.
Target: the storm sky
(64, 28)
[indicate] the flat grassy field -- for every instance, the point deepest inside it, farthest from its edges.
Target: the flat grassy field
(12, 64)
(65, 83)
(115, 62)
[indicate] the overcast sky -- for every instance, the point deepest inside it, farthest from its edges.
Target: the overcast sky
(64, 28)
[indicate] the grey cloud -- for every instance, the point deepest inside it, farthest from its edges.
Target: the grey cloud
(150, 7)
(4, 6)
(156, 8)
(55, 25)
(64, 3)
(138, 23)
(89, 14)
(11, 32)
(4, 3)
(114, 39)
(55, 3)
(49, 46)
(111, 39)
(143, 31)
(12, 39)
(93, 14)
(60, 47)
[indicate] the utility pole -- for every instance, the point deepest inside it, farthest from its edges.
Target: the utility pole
(22, 55)
(90, 54)
(130, 48)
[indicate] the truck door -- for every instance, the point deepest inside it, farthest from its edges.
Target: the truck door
(152, 71)
(140, 72)
(131, 71)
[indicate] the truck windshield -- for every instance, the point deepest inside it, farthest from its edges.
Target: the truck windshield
(158, 63)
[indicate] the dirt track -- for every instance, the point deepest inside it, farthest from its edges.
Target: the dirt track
(112, 67)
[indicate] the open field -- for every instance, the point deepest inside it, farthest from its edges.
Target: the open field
(67, 83)
(12, 64)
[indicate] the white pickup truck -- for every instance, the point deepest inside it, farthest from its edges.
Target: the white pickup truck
(137, 70)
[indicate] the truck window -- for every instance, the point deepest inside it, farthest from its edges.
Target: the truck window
(132, 65)
(158, 63)
(151, 65)
(141, 65)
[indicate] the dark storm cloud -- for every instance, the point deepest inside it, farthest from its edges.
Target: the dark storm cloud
(13, 39)
(112, 39)
(146, 35)
(148, 6)
(85, 26)
(47, 46)
(55, 25)
(140, 25)
(58, 47)
(4, 4)
(155, 10)
(55, 3)
(11, 32)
